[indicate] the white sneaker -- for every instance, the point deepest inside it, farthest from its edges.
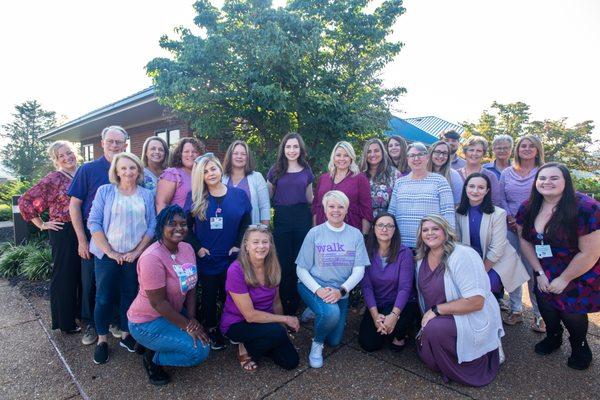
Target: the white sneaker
(307, 315)
(315, 358)
(501, 353)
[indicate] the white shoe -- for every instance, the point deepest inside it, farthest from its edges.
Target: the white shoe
(307, 315)
(115, 331)
(315, 358)
(501, 353)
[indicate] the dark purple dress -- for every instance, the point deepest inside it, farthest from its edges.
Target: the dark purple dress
(437, 346)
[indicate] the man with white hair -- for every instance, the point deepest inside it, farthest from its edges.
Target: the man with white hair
(502, 148)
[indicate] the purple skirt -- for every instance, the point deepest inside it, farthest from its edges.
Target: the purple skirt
(437, 349)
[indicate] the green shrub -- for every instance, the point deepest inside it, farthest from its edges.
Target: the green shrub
(589, 186)
(5, 212)
(12, 188)
(37, 265)
(12, 259)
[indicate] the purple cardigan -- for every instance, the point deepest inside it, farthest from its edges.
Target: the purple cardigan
(392, 284)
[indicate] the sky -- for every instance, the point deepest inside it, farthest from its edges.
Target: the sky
(459, 56)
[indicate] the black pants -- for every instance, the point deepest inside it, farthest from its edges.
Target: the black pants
(270, 340)
(213, 291)
(576, 324)
(65, 284)
(290, 226)
(368, 337)
(88, 287)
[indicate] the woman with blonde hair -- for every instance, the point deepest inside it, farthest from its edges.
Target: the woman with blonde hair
(121, 221)
(474, 149)
(239, 171)
(50, 194)
(461, 326)
(516, 183)
(218, 217)
(381, 173)
(344, 175)
(253, 314)
(155, 158)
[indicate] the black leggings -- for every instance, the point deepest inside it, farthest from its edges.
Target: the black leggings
(371, 340)
(213, 290)
(268, 339)
(576, 324)
(290, 226)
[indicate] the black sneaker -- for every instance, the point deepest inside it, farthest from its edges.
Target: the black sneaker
(217, 341)
(156, 375)
(128, 343)
(101, 353)
(549, 344)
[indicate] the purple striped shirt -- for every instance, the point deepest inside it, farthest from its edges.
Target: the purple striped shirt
(515, 189)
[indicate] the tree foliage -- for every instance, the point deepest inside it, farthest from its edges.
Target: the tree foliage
(568, 144)
(24, 152)
(258, 72)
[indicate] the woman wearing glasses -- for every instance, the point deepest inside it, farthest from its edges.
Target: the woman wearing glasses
(387, 287)
(253, 315)
(439, 162)
(218, 217)
(175, 182)
(419, 193)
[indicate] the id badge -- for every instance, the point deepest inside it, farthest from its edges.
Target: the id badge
(216, 222)
(543, 251)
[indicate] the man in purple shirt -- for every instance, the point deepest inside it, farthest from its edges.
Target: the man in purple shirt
(87, 180)
(453, 139)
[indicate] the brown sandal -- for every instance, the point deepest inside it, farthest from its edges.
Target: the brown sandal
(246, 362)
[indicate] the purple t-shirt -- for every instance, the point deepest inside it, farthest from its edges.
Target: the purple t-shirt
(87, 180)
(243, 184)
(515, 189)
(390, 284)
(262, 297)
(184, 184)
(291, 187)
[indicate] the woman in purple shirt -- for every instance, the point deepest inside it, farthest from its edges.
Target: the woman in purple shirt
(344, 175)
(290, 187)
(516, 183)
(253, 315)
(387, 287)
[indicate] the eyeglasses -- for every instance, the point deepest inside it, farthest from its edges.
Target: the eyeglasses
(416, 155)
(440, 153)
(112, 142)
(501, 149)
(205, 155)
(258, 227)
(382, 226)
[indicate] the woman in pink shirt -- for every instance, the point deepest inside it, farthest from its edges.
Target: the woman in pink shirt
(344, 175)
(162, 317)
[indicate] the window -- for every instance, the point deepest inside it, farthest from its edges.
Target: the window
(128, 148)
(88, 152)
(170, 136)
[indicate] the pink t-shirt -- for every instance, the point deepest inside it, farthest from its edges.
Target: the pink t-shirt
(157, 269)
(183, 181)
(262, 296)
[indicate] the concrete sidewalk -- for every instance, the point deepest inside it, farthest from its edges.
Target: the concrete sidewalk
(31, 367)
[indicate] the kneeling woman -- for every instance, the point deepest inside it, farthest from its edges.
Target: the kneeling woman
(252, 315)
(330, 264)
(162, 317)
(387, 287)
(461, 325)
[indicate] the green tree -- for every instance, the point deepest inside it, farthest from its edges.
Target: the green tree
(257, 72)
(24, 152)
(510, 119)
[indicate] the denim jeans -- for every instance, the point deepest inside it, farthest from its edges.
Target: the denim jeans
(172, 346)
(330, 319)
(113, 279)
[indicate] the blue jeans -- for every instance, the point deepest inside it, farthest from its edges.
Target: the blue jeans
(112, 278)
(330, 319)
(173, 346)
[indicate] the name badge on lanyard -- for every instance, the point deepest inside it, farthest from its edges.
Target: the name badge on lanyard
(216, 222)
(542, 250)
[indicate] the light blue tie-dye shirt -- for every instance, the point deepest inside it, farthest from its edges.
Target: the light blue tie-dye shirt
(128, 223)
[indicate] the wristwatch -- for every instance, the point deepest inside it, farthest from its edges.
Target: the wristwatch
(435, 310)
(343, 291)
(539, 273)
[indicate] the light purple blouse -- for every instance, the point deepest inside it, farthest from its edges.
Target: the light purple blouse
(183, 181)
(515, 189)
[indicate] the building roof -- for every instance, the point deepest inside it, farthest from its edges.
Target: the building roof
(434, 125)
(400, 127)
(140, 107)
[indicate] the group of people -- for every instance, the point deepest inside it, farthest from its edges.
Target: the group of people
(432, 239)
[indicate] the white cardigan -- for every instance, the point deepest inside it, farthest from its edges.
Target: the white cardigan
(495, 247)
(478, 332)
(259, 196)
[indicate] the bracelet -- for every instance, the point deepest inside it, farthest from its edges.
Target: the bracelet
(395, 315)
(42, 227)
(539, 273)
